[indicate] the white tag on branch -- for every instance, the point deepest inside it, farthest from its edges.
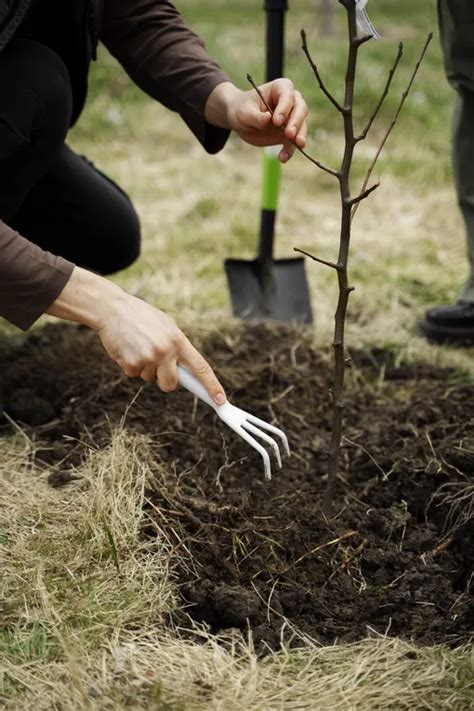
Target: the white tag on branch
(363, 21)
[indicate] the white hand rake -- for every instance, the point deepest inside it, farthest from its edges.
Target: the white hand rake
(240, 421)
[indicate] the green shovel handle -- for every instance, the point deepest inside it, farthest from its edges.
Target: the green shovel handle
(271, 178)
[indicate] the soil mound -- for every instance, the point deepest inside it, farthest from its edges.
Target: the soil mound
(396, 557)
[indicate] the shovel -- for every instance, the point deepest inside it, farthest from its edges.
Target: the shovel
(267, 288)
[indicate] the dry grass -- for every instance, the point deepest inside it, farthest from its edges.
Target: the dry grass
(459, 498)
(157, 672)
(84, 598)
(74, 566)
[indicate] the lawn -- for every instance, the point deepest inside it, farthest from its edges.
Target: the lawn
(108, 498)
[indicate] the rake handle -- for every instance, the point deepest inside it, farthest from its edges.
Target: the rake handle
(194, 386)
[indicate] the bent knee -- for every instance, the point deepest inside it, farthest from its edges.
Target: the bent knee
(124, 243)
(126, 254)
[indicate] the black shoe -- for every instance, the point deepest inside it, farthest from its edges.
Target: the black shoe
(450, 324)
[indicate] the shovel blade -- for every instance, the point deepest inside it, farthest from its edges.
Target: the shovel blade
(277, 292)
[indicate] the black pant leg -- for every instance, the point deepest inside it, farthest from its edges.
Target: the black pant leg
(53, 197)
(35, 111)
(79, 213)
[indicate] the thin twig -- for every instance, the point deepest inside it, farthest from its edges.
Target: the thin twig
(362, 40)
(391, 74)
(321, 547)
(345, 564)
(320, 165)
(394, 120)
(326, 168)
(349, 206)
(440, 548)
(365, 194)
(366, 451)
(333, 265)
(317, 74)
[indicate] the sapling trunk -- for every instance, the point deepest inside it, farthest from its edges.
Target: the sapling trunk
(349, 205)
(342, 260)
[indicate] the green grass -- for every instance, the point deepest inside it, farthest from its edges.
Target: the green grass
(29, 644)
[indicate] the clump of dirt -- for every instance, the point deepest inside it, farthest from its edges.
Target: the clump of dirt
(396, 557)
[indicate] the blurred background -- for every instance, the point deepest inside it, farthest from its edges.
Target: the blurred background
(408, 243)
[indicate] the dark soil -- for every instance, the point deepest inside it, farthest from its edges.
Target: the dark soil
(396, 557)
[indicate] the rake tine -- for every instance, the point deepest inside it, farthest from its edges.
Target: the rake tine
(271, 442)
(271, 428)
(237, 420)
(253, 443)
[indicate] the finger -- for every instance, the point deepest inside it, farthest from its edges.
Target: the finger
(131, 368)
(167, 376)
(284, 97)
(300, 139)
(286, 152)
(297, 118)
(148, 373)
(191, 358)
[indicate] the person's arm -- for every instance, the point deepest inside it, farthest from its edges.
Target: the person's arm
(166, 59)
(140, 338)
(143, 340)
(30, 278)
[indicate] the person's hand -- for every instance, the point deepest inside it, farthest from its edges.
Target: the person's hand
(245, 113)
(143, 340)
(147, 343)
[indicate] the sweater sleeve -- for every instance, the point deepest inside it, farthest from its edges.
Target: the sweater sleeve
(166, 59)
(30, 278)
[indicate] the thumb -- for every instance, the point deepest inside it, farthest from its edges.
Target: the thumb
(253, 117)
(191, 358)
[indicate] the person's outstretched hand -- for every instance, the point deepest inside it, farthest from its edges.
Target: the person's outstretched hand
(140, 338)
(245, 113)
(147, 343)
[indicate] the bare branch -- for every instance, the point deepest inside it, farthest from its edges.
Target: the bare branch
(384, 94)
(320, 165)
(265, 102)
(394, 120)
(365, 194)
(362, 40)
(326, 168)
(333, 265)
(317, 74)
